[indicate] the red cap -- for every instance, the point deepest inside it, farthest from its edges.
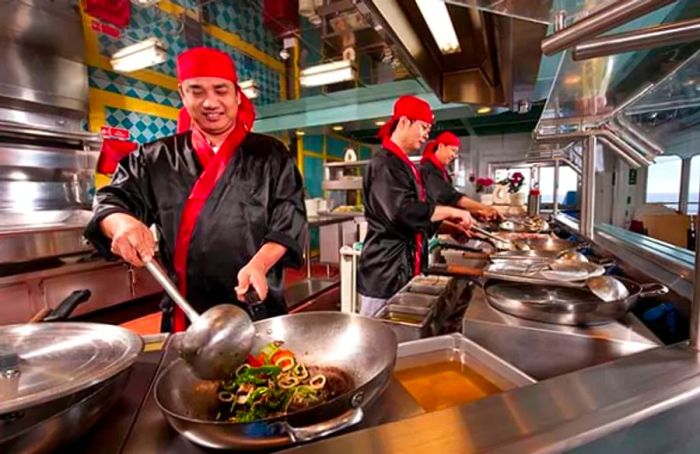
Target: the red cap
(205, 62)
(444, 138)
(410, 107)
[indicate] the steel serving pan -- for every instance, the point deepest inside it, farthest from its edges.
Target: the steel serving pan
(565, 306)
(360, 346)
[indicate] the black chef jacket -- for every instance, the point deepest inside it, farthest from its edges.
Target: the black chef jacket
(438, 187)
(394, 215)
(259, 198)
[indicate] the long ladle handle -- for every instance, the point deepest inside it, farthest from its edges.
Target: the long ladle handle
(490, 235)
(159, 275)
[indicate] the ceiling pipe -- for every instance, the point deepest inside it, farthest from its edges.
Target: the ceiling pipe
(627, 149)
(646, 38)
(644, 150)
(618, 151)
(608, 18)
(639, 135)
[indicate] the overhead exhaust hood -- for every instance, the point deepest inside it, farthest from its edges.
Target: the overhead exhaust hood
(492, 59)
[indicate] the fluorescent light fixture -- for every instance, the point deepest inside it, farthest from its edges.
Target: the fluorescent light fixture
(438, 19)
(250, 88)
(337, 128)
(483, 110)
(143, 54)
(327, 73)
(380, 122)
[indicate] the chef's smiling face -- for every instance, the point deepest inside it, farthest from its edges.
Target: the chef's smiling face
(446, 153)
(211, 102)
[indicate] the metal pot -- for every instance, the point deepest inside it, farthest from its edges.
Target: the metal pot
(565, 306)
(362, 347)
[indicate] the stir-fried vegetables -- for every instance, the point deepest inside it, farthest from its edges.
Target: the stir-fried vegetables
(271, 384)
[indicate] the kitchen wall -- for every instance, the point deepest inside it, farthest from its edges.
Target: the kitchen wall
(146, 102)
(614, 204)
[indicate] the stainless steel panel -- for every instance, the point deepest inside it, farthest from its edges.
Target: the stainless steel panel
(29, 245)
(555, 415)
(41, 43)
(53, 25)
(109, 286)
(20, 155)
(39, 77)
(16, 304)
(523, 343)
(23, 196)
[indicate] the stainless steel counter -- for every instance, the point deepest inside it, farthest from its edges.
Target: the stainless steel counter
(544, 350)
(656, 391)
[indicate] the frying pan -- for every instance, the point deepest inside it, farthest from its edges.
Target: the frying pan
(362, 347)
(565, 306)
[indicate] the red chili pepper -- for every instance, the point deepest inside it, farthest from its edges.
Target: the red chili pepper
(253, 361)
(281, 354)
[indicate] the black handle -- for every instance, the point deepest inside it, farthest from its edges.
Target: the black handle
(68, 305)
(255, 305)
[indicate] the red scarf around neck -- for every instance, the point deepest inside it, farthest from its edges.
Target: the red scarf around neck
(390, 145)
(214, 165)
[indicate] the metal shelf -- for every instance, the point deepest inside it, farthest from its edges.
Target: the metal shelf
(343, 185)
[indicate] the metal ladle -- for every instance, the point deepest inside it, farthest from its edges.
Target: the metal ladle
(217, 341)
(607, 288)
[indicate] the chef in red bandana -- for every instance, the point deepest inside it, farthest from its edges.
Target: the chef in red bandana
(228, 203)
(399, 213)
(439, 154)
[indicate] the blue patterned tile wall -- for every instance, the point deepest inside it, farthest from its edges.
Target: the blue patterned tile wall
(145, 23)
(126, 86)
(242, 17)
(142, 128)
(245, 18)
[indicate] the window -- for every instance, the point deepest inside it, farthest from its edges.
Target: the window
(568, 182)
(694, 185)
(502, 174)
(664, 182)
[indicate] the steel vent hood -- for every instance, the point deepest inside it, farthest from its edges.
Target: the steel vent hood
(499, 56)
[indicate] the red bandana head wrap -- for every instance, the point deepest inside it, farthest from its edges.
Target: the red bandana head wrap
(410, 107)
(205, 62)
(444, 138)
(208, 62)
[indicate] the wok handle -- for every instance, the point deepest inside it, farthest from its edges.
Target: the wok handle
(347, 419)
(159, 275)
(653, 289)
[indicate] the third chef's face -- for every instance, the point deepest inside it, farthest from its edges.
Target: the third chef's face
(412, 134)
(211, 102)
(446, 153)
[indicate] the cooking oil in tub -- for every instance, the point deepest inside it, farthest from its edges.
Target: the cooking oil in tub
(445, 384)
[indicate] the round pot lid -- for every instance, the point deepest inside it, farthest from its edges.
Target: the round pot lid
(44, 361)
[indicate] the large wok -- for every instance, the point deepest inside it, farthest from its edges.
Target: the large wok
(58, 379)
(362, 347)
(565, 306)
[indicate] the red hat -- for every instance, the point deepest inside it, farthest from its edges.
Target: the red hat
(205, 62)
(444, 138)
(410, 107)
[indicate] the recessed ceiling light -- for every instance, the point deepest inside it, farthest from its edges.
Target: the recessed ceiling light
(337, 128)
(380, 122)
(300, 133)
(483, 110)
